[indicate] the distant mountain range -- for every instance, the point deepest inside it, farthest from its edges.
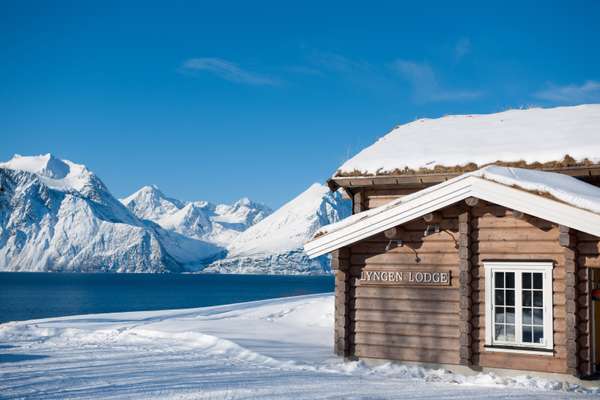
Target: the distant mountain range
(56, 215)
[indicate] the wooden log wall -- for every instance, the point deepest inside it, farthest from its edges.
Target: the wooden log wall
(378, 197)
(407, 323)
(340, 262)
(500, 234)
(465, 290)
(447, 324)
(588, 258)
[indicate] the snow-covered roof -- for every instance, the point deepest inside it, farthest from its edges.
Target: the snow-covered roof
(551, 196)
(534, 135)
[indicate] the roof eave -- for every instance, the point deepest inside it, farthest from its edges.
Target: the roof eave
(423, 180)
(450, 193)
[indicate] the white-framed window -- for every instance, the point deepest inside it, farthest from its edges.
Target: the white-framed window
(518, 305)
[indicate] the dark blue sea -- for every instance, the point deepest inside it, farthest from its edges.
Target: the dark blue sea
(39, 295)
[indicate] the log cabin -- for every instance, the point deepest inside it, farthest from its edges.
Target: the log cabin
(485, 265)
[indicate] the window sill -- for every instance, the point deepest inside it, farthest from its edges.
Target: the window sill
(520, 350)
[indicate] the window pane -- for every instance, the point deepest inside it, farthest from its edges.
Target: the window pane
(510, 315)
(499, 332)
(499, 299)
(538, 298)
(527, 316)
(510, 333)
(527, 280)
(538, 317)
(499, 278)
(537, 281)
(510, 297)
(526, 298)
(538, 334)
(527, 334)
(510, 280)
(499, 314)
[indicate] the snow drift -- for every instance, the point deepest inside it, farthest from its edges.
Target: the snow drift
(270, 349)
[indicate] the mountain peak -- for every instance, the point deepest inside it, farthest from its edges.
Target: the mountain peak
(45, 165)
(56, 173)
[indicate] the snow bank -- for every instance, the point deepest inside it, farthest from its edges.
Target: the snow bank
(275, 349)
(533, 135)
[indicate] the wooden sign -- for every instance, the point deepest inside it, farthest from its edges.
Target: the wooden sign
(405, 278)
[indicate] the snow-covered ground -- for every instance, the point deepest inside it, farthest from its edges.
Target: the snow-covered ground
(272, 349)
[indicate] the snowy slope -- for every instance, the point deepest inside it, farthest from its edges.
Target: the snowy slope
(533, 135)
(218, 224)
(271, 349)
(56, 215)
(275, 244)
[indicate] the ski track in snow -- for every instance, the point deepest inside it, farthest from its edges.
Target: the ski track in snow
(271, 349)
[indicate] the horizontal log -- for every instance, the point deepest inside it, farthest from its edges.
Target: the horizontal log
(396, 191)
(379, 201)
(405, 329)
(433, 307)
(517, 247)
(522, 362)
(406, 258)
(413, 236)
(416, 342)
(407, 354)
(404, 293)
(447, 246)
(420, 225)
(403, 317)
(510, 222)
(515, 234)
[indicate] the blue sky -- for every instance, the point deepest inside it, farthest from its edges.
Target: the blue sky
(219, 100)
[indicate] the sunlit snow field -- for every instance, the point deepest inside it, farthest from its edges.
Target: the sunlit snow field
(270, 349)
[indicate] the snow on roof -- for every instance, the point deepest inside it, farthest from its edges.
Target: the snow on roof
(533, 135)
(58, 174)
(568, 198)
(559, 186)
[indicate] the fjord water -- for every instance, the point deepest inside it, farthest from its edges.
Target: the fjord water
(26, 296)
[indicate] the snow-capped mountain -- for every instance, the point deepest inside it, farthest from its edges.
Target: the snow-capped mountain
(274, 245)
(56, 215)
(218, 224)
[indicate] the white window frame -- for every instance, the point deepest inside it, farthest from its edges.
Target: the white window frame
(521, 267)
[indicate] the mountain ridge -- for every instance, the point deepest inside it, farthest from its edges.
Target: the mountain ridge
(56, 215)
